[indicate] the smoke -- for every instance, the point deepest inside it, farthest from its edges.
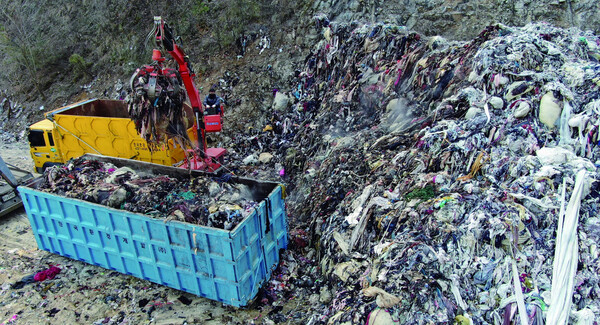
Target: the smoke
(398, 116)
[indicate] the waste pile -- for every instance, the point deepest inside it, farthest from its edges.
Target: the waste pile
(197, 200)
(434, 181)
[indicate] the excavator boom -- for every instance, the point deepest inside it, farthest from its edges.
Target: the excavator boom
(154, 85)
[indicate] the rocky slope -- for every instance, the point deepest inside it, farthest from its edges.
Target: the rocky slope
(464, 19)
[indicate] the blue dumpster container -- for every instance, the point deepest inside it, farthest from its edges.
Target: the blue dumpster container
(227, 266)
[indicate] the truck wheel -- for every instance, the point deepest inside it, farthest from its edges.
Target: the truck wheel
(47, 165)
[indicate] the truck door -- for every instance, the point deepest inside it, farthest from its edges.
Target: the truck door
(43, 149)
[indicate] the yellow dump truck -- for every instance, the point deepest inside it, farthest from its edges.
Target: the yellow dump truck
(96, 126)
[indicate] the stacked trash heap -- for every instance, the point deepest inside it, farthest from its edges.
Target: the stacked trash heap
(446, 181)
(197, 200)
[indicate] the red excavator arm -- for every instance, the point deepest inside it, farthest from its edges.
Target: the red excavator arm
(165, 39)
(210, 157)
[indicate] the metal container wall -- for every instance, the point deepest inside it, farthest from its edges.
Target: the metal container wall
(226, 266)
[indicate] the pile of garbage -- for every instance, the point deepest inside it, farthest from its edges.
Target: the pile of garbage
(438, 181)
(197, 200)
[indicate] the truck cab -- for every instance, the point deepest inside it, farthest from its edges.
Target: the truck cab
(44, 150)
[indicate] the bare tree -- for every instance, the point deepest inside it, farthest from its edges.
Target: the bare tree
(20, 42)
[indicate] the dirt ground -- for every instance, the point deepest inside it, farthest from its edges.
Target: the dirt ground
(87, 294)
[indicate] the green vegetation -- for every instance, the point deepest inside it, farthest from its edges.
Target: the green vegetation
(200, 8)
(46, 46)
(80, 67)
(232, 18)
(424, 193)
(23, 47)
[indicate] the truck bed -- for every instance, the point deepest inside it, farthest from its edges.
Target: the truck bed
(102, 126)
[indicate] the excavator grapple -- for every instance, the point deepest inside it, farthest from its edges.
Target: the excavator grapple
(156, 102)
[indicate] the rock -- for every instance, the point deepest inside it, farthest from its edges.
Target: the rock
(522, 109)
(549, 110)
(280, 101)
(496, 102)
(265, 157)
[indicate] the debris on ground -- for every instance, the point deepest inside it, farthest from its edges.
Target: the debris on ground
(47, 274)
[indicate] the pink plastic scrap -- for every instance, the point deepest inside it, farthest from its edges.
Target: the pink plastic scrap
(49, 274)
